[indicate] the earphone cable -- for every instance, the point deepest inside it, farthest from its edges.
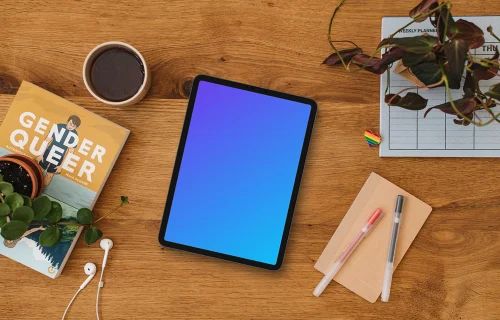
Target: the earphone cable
(101, 284)
(67, 308)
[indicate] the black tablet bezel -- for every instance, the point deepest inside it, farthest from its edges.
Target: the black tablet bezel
(178, 161)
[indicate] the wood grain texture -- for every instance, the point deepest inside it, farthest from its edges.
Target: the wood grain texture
(451, 271)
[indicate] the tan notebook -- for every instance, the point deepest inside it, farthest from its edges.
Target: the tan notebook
(363, 272)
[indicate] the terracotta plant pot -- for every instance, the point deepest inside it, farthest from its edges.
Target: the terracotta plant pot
(405, 72)
(35, 167)
(24, 174)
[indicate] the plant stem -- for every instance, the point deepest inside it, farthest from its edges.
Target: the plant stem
(493, 34)
(2, 199)
(104, 216)
(458, 112)
(418, 17)
(363, 67)
(64, 223)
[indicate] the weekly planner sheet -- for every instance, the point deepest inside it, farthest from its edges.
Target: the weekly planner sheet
(407, 133)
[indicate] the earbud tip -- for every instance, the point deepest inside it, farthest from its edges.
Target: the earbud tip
(90, 268)
(106, 244)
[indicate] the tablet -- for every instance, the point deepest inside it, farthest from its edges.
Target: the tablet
(237, 173)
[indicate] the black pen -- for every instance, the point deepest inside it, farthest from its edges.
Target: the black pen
(389, 267)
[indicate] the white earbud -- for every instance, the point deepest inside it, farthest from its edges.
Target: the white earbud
(90, 270)
(106, 245)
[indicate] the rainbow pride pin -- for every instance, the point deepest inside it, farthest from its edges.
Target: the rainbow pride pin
(373, 139)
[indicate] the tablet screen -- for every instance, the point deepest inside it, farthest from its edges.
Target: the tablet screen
(238, 170)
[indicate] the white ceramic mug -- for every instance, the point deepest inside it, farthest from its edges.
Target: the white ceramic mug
(87, 66)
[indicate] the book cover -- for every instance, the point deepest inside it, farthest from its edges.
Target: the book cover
(76, 150)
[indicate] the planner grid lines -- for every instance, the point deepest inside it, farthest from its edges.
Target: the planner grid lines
(408, 133)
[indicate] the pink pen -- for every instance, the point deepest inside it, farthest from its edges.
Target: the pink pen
(374, 218)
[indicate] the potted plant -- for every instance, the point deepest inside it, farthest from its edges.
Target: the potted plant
(432, 61)
(19, 212)
(23, 174)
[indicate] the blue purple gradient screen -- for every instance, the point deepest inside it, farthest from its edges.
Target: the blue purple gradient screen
(238, 170)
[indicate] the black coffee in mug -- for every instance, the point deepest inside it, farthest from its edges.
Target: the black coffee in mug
(117, 74)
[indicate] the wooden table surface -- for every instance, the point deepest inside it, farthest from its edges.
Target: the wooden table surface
(451, 271)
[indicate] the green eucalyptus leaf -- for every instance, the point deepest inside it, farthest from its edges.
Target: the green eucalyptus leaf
(50, 237)
(6, 188)
(27, 201)
(14, 200)
(85, 216)
(55, 213)
(412, 101)
(494, 91)
(124, 200)
(23, 213)
(428, 72)
(41, 206)
(456, 53)
(418, 44)
(14, 229)
(412, 59)
(92, 235)
(4, 209)
(3, 221)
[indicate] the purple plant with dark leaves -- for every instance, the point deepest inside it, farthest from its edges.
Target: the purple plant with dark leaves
(437, 61)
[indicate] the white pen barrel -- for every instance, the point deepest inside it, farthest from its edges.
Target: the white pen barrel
(327, 279)
(386, 286)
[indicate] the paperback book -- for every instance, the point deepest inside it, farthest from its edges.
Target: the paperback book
(76, 150)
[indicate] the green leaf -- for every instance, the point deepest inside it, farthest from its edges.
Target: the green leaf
(418, 44)
(412, 101)
(6, 188)
(50, 237)
(1, 177)
(427, 72)
(412, 59)
(25, 214)
(124, 200)
(41, 206)
(27, 201)
(494, 91)
(456, 53)
(85, 216)
(55, 213)
(14, 230)
(3, 221)
(14, 200)
(4, 210)
(92, 235)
